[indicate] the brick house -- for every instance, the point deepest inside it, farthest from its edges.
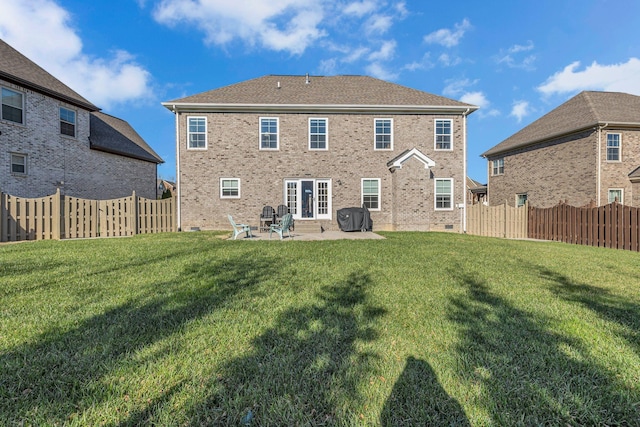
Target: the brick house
(51, 137)
(586, 150)
(319, 144)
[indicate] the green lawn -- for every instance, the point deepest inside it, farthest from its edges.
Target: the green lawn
(417, 329)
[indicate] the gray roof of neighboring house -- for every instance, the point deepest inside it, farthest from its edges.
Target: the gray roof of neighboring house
(116, 136)
(585, 110)
(339, 91)
(20, 70)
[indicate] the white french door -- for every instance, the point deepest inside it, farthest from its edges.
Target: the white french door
(308, 198)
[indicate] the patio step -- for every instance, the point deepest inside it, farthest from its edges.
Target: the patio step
(307, 227)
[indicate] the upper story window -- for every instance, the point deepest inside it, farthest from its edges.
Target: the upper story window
(12, 105)
(443, 135)
(317, 134)
(18, 164)
(497, 167)
(444, 194)
(197, 132)
(67, 122)
(371, 193)
(384, 134)
(268, 133)
(229, 188)
(613, 147)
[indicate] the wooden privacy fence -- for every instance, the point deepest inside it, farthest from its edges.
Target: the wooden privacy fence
(497, 221)
(611, 226)
(65, 217)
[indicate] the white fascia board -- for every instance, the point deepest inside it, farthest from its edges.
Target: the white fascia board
(337, 108)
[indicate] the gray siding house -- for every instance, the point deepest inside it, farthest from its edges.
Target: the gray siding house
(51, 137)
(318, 144)
(585, 151)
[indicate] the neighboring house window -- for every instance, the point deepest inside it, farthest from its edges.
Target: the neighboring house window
(317, 134)
(521, 199)
(197, 132)
(443, 135)
(229, 188)
(384, 134)
(67, 122)
(497, 167)
(371, 193)
(616, 193)
(613, 147)
(268, 133)
(12, 106)
(18, 164)
(444, 194)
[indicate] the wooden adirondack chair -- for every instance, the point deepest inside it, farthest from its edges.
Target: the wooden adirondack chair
(239, 228)
(282, 227)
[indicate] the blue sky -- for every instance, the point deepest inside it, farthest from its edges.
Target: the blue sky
(516, 60)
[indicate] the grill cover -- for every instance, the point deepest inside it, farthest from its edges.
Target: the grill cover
(354, 219)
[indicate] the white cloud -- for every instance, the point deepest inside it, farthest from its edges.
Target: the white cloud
(479, 98)
(510, 57)
(449, 61)
(447, 37)
(376, 69)
(57, 48)
(456, 87)
(385, 53)
(623, 77)
(360, 8)
(424, 64)
(281, 25)
(378, 24)
(520, 110)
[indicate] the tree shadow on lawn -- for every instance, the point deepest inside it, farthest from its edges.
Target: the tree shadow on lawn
(418, 399)
(61, 372)
(601, 301)
(526, 374)
(305, 370)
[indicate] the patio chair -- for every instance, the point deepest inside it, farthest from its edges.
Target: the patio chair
(282, 227)
(281, 211)
(266, 218)
(239, 228)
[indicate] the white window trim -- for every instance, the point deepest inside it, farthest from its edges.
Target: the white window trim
(375, 121)
(229, 197)
(326, 134)
(606, 154)
(493, 168)
(621, 190)
(24, 101)
(277, 119)
(26, 164)
(362, 180)
(206, 132)
(435, 135)
(435, 194)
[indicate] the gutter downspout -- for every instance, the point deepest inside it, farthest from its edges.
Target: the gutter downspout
(179, 195)
(464, 170)
(599, 172)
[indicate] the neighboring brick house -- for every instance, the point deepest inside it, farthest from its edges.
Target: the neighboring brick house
(51, 137)
(476, 192)
(586, 150)
(319, 144)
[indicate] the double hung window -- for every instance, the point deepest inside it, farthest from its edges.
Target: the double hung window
(444, 194)
(613, 147)
(317, 134)
(197, 133)
(371, 193)
(384, 134)
(12, 106)
(497, 167)
(268, 133)
(67, 122)
(443, 135)
(229, 188)
(18, 164)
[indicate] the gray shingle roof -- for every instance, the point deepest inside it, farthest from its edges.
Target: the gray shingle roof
(277, 90)
(116, 136)
(18, 69)
(587, 109)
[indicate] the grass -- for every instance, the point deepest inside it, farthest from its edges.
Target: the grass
(417, 329)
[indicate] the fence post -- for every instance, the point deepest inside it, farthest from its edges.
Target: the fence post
(57, 215)
(134, 214)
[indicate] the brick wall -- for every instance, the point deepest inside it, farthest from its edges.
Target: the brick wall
(564, 169)
(616, 174)
(233, 152)
(56, 161)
